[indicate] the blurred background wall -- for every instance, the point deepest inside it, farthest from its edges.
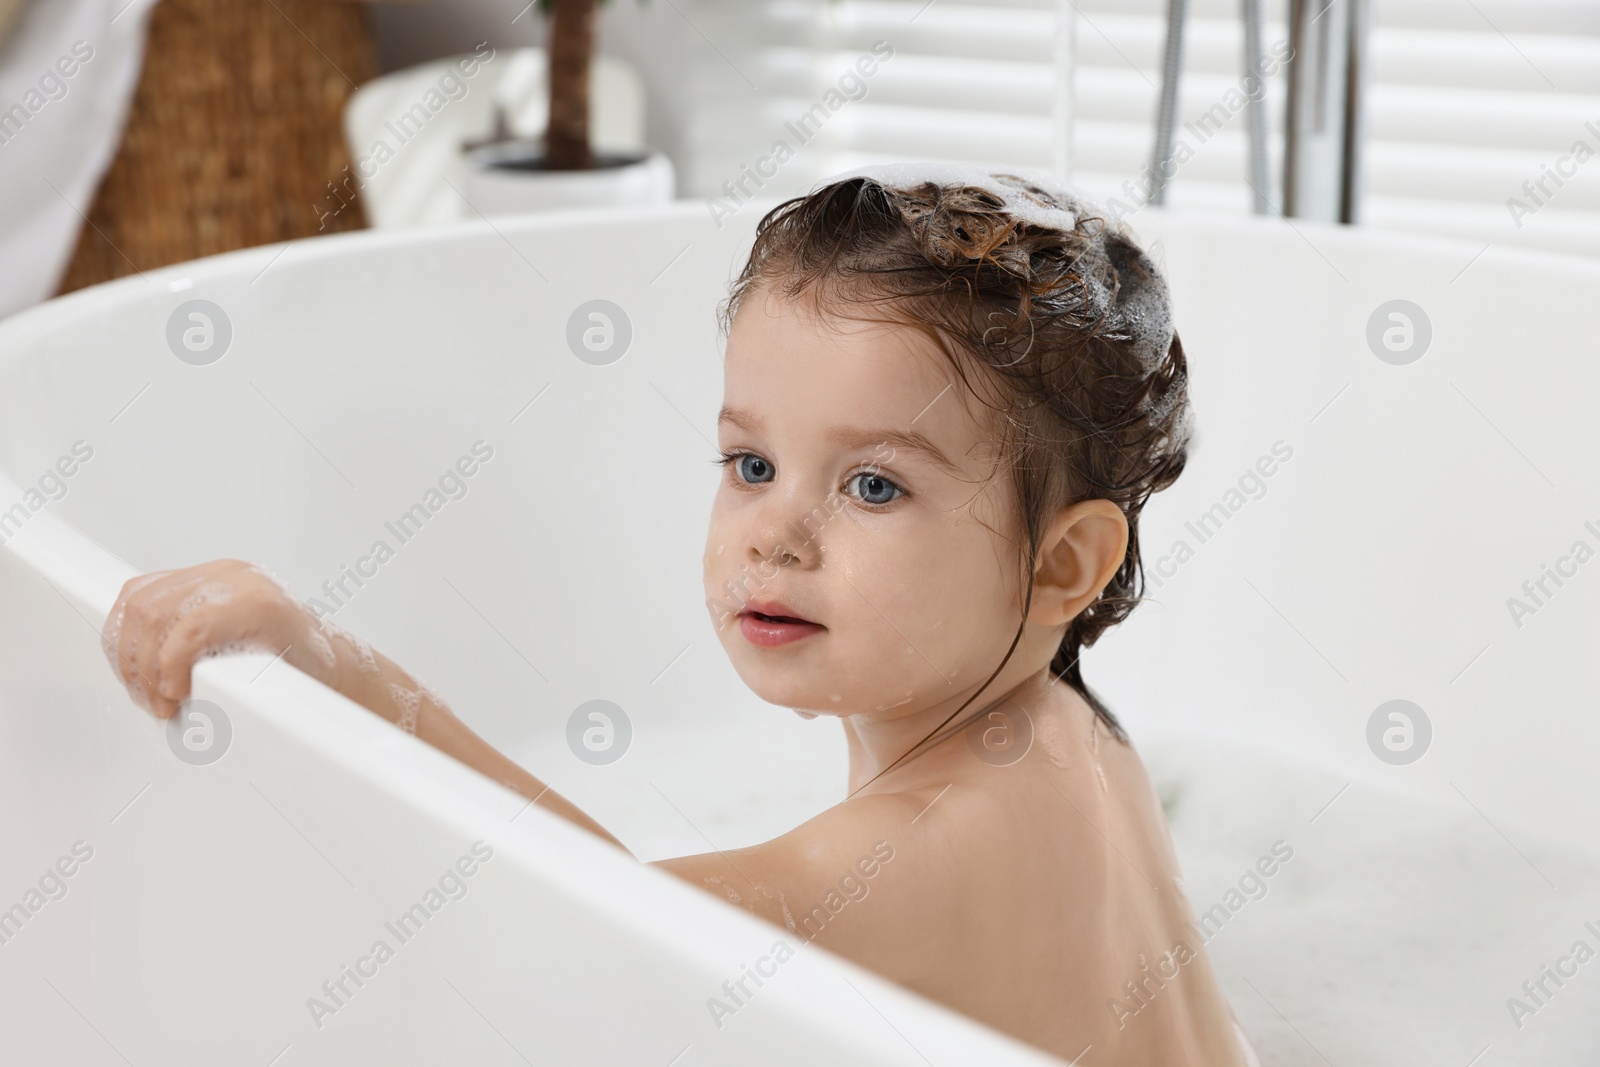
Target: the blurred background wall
(1483, 117)
(646, 33)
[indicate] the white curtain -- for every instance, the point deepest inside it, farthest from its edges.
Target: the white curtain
(68, 70)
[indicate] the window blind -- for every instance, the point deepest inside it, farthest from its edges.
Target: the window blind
(1484, 116)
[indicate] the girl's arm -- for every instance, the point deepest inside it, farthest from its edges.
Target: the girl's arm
(381, 685)
(163, 622)
(871, 846)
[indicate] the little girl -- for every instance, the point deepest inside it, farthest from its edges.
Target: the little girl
(947, 396)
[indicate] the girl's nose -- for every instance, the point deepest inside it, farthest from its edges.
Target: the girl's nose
(788, 531)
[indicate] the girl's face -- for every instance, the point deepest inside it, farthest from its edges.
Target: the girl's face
(854, 451)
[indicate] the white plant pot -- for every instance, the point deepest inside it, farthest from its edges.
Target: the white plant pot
(495, 184)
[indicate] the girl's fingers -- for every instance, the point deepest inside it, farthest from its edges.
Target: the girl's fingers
(163, 622)
(123, 633)
(175, 659)
(191, 625)
(193, 635)
(129, 637)
(157, 612)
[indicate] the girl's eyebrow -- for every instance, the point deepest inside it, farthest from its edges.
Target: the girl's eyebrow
(853, 437)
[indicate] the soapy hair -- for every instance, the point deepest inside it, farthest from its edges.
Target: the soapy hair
(1035, 298)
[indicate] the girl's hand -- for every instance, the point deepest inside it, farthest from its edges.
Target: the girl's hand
(163, 622)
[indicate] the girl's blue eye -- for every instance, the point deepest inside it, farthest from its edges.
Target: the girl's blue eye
(751, 467)
(875, 490)
(873, 484)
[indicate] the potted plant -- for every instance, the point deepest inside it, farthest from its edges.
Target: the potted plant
(563, 168)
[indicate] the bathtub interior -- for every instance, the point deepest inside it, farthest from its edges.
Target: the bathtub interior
(1374, 563)
(219, 898)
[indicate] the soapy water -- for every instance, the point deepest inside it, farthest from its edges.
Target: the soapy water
(735, 898)
(410, 704)
(208, 593)
(320, 648)
(317, 642)
(366, 662)
(427, 690)
(125, 663)
(731, 893)
(201, 592)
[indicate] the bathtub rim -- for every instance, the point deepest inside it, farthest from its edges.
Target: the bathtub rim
(699, 931)
(31, 321)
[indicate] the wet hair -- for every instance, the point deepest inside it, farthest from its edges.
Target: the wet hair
(1035, 298)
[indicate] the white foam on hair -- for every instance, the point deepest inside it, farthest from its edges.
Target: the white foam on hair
(1140, 309)
(1070, 205)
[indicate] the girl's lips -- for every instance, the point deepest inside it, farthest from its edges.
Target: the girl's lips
(768, 633)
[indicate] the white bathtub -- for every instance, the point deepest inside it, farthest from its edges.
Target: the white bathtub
(219, 898)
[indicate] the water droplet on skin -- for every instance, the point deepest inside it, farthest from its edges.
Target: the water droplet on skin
(836, 698)
(727, 889)
(1102, 776)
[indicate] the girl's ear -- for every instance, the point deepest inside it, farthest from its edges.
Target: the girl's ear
(1080, 552)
